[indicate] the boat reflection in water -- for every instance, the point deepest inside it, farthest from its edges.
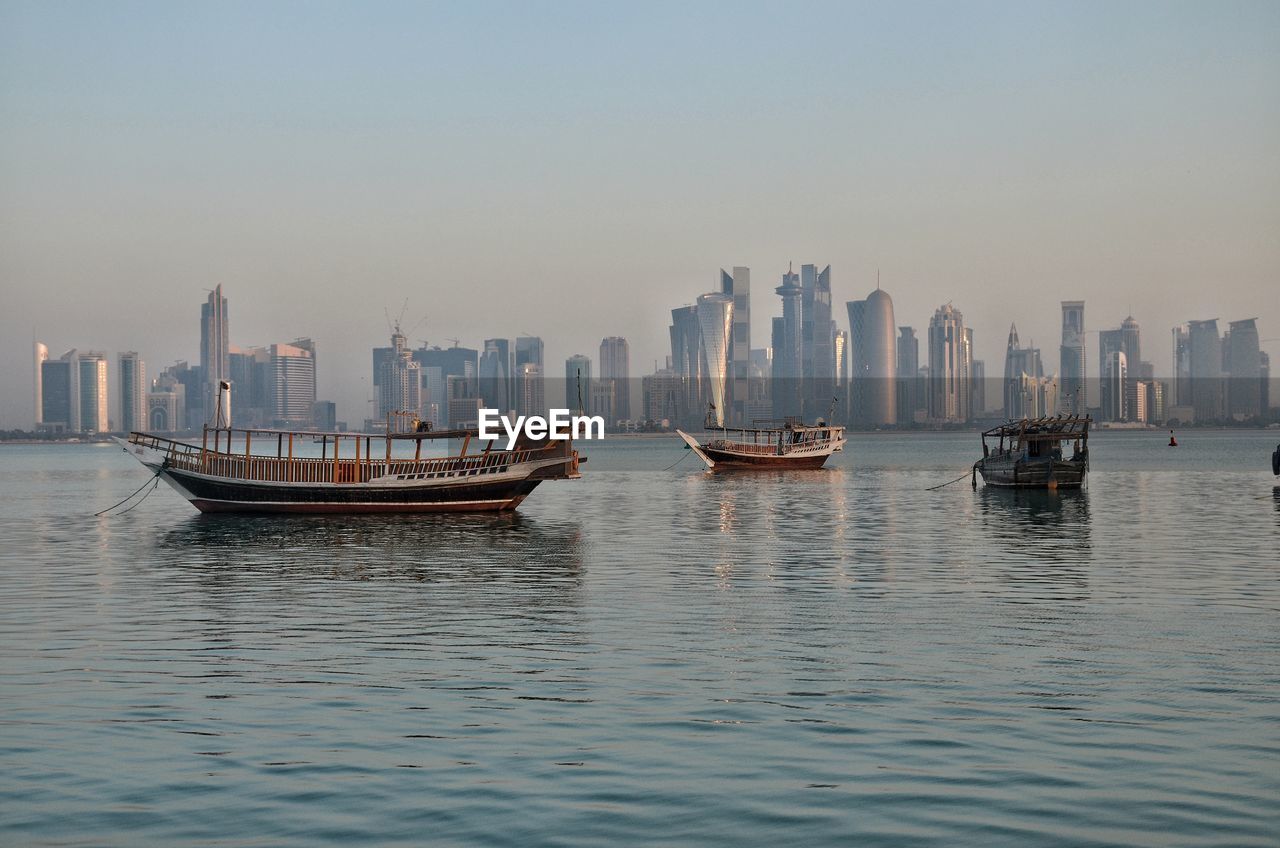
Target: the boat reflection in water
(506, 547)
(1053, 524)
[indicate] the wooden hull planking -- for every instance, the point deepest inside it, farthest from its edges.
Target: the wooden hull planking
(727, 460)
(1022, 474)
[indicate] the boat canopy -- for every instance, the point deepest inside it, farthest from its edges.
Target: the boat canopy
(1059, 428)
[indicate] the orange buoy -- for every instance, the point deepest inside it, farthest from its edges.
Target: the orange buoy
(1173, 443)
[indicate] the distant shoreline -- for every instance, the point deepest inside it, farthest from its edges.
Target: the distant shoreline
(1096, 431)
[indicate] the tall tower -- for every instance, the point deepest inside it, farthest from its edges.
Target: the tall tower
(293, 382)
(1071, 368)
(1181, 366)
(1023, 371)
(738, 286)
(787, 354)
(133, 392)
(215, 350)
(816, 330)
(495, 375)
(1206, 370)
(874, 361)
(41, 357)
(1131, 342)
(1115, 387)
(687, 363)
(94, 417)
(1244, 369)
(910, 397)
(948, 386)
(715, 321)
(528, 351)
(615, 366)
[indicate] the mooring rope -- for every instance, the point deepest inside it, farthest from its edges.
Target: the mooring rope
(678, 461)
(949, 482)
(155, 478)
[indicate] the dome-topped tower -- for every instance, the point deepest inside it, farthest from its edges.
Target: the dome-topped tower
(874, 357)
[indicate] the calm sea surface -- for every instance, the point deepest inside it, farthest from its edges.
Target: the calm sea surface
(655, 657)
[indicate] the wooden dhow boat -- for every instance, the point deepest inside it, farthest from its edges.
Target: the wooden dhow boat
(1028, 454)
(770, 444)
(229, 471)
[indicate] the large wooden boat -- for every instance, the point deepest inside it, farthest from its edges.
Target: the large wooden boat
(355, 472)
(1028, 453)
(781, 444)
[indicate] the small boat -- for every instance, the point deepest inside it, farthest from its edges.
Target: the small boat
(779, 444)
(355, 472)
(1029, 453)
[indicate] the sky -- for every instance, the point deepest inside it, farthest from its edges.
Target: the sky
(575, 170)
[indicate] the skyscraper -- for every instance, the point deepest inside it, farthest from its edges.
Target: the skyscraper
(949, 352)
(841, 347)
(874, 360)
(1264, 382)
(133, 392)
(1125, 339)
(577, 383)
(293, 382)
(1244, 368)
(976, 372)
(530, 392)
(1131, 341)
(787, 353)
(615, 369)
(495, 375)
(661, 393)
(1074, 398)
(94, 417)
(1115, 388)
(1021, 363)
(715, 321)
(59, 393)
(439, 367)
(816, 331)
(910, 395)
(528, 350)
(977, 380)
(399, 383)
(687, 363)
(1181, 366)
(1207, 396)
(41, 357)
(738, 286)
(215, 349)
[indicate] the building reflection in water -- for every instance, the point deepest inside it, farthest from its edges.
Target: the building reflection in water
(775, 520)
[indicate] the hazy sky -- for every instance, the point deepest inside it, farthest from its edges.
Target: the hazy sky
(574, 170)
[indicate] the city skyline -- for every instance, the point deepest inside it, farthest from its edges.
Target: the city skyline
(1215, 377)
(1000, 158)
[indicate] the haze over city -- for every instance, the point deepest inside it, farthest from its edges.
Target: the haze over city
(575, 171)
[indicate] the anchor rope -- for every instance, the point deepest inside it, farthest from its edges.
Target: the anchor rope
(678, 461)
(949, 482)
(154, 479)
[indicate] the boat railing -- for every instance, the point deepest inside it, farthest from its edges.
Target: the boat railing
(331, 469)
(772, 448)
